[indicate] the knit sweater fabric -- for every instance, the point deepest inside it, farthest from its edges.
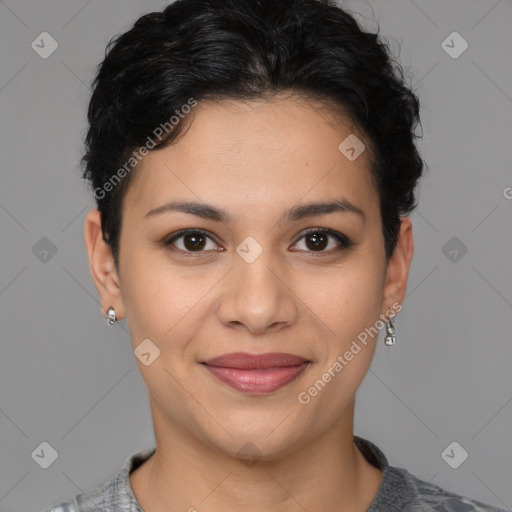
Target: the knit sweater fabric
(399, 490)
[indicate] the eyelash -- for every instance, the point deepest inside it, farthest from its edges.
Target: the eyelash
(344, 241)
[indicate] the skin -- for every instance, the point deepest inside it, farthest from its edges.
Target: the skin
(255, 160)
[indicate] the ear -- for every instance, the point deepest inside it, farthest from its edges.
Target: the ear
(101, 264)
(397, 273)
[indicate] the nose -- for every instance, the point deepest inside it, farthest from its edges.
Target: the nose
(258, 296)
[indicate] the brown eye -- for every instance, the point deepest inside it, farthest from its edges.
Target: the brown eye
(318, 240)
(191, 241)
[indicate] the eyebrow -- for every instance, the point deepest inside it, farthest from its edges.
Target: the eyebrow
(298, 212)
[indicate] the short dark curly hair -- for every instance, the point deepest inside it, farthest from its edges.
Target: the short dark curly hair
(248, 49)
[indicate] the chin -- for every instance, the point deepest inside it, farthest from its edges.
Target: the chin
(263, 443)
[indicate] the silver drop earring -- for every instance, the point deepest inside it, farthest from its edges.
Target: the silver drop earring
(111, 316)
(390, 338)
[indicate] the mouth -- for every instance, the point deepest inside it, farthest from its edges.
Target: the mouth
(256, 373)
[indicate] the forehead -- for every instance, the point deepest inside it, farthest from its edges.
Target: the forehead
(252, 153)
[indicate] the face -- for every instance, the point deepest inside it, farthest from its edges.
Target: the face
(255, 273)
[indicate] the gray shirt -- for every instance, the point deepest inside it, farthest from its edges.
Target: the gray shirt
(398, 491)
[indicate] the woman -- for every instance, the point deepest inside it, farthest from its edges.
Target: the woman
(254, 163)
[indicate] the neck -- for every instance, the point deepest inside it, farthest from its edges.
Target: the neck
(329, 473)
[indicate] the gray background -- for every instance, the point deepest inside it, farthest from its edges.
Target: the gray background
(70, 380)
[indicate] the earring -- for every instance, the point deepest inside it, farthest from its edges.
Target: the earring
(390, 338)
(111, 316)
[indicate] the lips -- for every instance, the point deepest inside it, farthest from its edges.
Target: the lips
(244, 361)
(256, 373)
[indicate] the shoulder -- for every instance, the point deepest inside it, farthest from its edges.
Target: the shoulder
(402, 491)
(105, 498)
(428, 497)
(114, 495)
(98, 499)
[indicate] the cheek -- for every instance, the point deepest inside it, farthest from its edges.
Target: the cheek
(147, 297)
(344, 300)
(346, 304)
(162, 305)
